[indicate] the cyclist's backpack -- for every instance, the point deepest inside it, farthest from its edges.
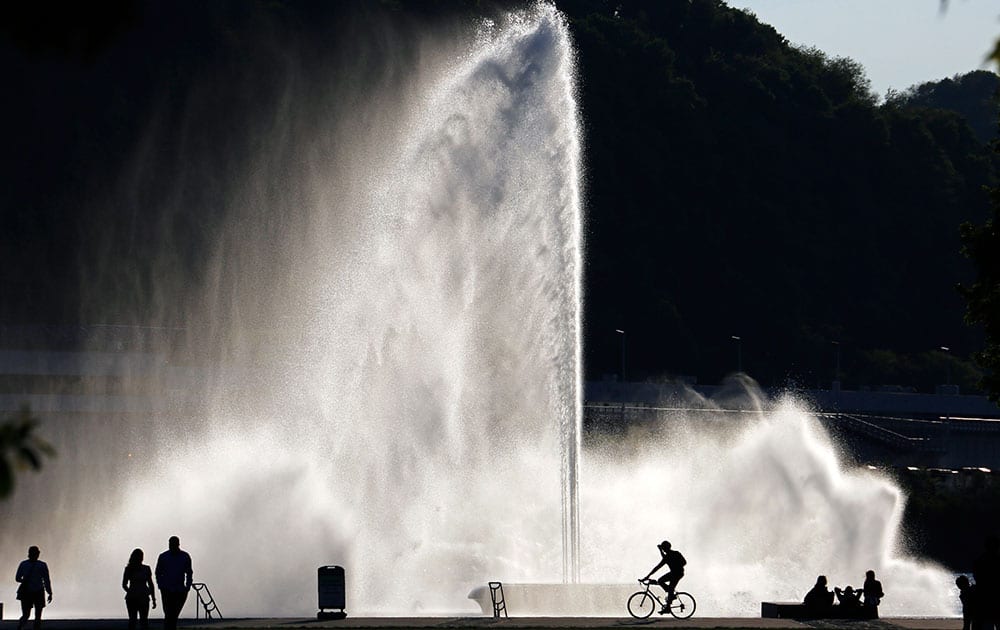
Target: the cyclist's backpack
(678, 559)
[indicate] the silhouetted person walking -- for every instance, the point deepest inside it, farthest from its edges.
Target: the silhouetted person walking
(137, 580)
(33, 577)
(675, 562)
(173, 578)
(967, 595)
(987, 575)
(872, 590)
(819, 599)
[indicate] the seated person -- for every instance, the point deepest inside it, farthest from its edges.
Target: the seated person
(848, 597)
(819, 599)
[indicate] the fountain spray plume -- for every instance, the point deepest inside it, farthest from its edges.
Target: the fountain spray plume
(760, 502)
(376, 361)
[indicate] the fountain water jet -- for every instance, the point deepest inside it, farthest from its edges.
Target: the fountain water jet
(381, 365)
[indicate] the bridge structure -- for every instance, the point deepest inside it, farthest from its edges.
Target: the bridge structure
(943, 430)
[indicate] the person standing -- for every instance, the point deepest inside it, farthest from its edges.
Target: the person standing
(33, 577)
(967, 595)
(872, 591)
(173, 578)
(137, 580)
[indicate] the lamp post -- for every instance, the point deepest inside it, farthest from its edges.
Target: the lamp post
(739, 353)
(836, 371)
(947, 364)
(622, 333)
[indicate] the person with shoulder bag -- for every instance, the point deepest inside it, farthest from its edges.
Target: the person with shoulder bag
(137, 580)
(33, 579)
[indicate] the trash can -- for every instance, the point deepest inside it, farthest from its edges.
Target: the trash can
(331, 592)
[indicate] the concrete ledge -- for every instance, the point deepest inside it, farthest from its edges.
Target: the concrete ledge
(558, 600)
(798, 610)
(514, 623)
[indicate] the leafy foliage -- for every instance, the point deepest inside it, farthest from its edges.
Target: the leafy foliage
(742, 186)
(973, 96)
(20, 448)
(982, 246)
(945, 514)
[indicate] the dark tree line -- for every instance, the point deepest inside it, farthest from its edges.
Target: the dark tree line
(946, 515)
(743, 187)
(973, 96)
(982, 246)
(736, 185)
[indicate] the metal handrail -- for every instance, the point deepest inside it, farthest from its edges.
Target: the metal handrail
(499, 603)
(206, 601)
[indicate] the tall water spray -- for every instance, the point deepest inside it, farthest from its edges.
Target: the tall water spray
(379, 367)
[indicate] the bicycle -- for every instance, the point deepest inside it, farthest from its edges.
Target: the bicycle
(641, 604)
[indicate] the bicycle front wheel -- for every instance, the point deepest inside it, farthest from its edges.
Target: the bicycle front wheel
(641, 605)
(683, 605)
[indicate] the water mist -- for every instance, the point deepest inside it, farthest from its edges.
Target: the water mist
(760, 504)
(381, 365)
(378, 366)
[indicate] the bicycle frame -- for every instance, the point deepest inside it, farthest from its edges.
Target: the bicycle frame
(649, 586)
(682, 604)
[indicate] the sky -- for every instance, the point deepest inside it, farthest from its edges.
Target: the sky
(900, 43)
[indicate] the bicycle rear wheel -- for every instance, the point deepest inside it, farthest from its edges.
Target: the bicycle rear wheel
(683, 605)
(641, 605)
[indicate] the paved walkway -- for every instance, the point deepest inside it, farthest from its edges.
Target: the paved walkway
(513, 623)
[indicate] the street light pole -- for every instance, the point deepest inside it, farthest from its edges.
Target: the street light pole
(622, 333)
(739, 353)
(947, 364)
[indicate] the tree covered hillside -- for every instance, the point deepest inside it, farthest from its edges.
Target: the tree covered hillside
(739, 186)
(973, 96)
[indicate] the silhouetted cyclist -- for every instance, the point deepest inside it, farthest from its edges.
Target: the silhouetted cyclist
(675, 562)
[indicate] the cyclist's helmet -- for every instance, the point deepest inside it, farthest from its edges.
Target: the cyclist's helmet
(665, 545)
